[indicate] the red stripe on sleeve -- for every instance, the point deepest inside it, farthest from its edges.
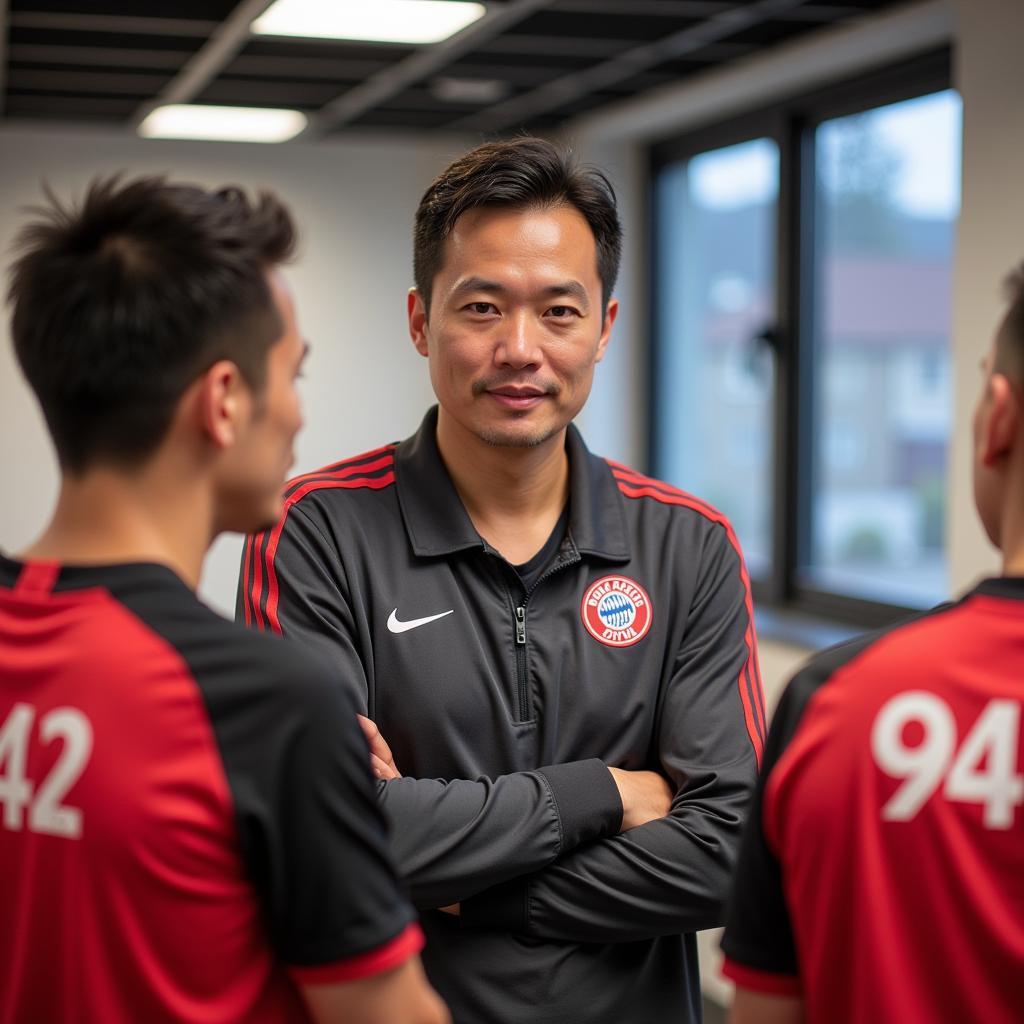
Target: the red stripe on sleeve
(308, 482)
(352, 483)
(257, 583)
(347, 468)
(384, 958)
(753, 711)
(762, 981)
(624, 474)
(246, 572)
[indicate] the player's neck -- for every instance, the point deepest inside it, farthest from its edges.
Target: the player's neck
(1011, 521)
(514, 496)
(106, 516)
(1013, 551)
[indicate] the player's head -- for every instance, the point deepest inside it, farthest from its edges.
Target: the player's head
(999, 419)
(1008, 347)
(144, 294)
(518, 174)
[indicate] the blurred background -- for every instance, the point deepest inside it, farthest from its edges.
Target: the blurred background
(820, 201)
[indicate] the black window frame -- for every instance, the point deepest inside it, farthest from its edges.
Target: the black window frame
(791, 124)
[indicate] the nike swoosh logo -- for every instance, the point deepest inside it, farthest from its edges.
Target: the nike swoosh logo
(396, 626)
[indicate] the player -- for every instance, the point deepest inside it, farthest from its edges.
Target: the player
(880, 877)
(188, 826)
(558, 650)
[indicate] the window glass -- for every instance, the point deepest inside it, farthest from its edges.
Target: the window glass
(716, 285)
(887, 198)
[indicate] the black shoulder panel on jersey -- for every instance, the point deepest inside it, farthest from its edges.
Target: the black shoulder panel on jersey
(311, 834)
(818, 670)
(8, 572)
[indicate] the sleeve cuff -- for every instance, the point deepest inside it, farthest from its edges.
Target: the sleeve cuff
(375, 961)
(766, 982)
(587, 801)
(503, 906)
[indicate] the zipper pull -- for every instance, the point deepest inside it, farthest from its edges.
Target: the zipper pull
(520, 625)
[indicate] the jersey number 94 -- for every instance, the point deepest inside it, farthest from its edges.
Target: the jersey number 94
(982, 769)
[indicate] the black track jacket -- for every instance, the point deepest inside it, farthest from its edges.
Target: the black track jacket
(635, 649)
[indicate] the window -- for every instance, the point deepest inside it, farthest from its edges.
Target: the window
(801, 366)
(715, 385)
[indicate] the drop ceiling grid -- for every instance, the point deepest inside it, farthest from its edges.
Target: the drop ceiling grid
(102, 60)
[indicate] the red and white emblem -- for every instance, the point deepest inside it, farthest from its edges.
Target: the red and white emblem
(617, 611)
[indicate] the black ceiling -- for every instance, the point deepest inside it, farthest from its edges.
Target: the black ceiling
(535, 63)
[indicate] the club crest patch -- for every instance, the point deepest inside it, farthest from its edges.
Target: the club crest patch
(617, 611)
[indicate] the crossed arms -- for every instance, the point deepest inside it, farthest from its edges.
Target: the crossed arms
(599, 854)
(645, 795)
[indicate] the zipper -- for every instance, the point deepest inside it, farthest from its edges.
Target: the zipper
(521, 675)
(519, 627)
(519, 611)
(557, 567)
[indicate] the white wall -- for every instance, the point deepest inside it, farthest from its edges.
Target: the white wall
(354, 201)
(989, 73)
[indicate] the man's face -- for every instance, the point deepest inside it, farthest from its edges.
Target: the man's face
(251, 495)
(515, 325)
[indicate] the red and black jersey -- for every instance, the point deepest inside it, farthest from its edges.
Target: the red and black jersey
(881, 876)
(187, 818)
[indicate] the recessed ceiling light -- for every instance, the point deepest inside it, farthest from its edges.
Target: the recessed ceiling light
(382, 21)
(469, 90)
(222, 124)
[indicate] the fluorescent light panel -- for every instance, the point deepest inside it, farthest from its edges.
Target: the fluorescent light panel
(222, 124)
(381, 21)
(469, 90)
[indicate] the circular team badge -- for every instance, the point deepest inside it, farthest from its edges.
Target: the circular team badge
(617, 611)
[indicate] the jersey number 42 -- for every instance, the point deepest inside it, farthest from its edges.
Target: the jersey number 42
(46, 812)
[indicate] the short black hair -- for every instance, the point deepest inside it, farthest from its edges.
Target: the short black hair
(523, 173)
(120, 302)
(1011, 339)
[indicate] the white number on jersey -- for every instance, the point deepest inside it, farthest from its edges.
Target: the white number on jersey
(46, 813)
(992, 741)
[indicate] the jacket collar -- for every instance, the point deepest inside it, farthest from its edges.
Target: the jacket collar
(438, 524)
(1011, 587)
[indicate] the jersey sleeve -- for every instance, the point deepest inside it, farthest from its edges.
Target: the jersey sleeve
(449, 838)
(758, 944)
(670, 875)
(311, 834)
(292, 583)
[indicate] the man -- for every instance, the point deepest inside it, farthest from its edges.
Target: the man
(189, 830)
(558, 650)
(880, 877)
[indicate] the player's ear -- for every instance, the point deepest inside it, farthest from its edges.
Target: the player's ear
(223, 402)
(611, 312)
(1001, 420)
(417, 313)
